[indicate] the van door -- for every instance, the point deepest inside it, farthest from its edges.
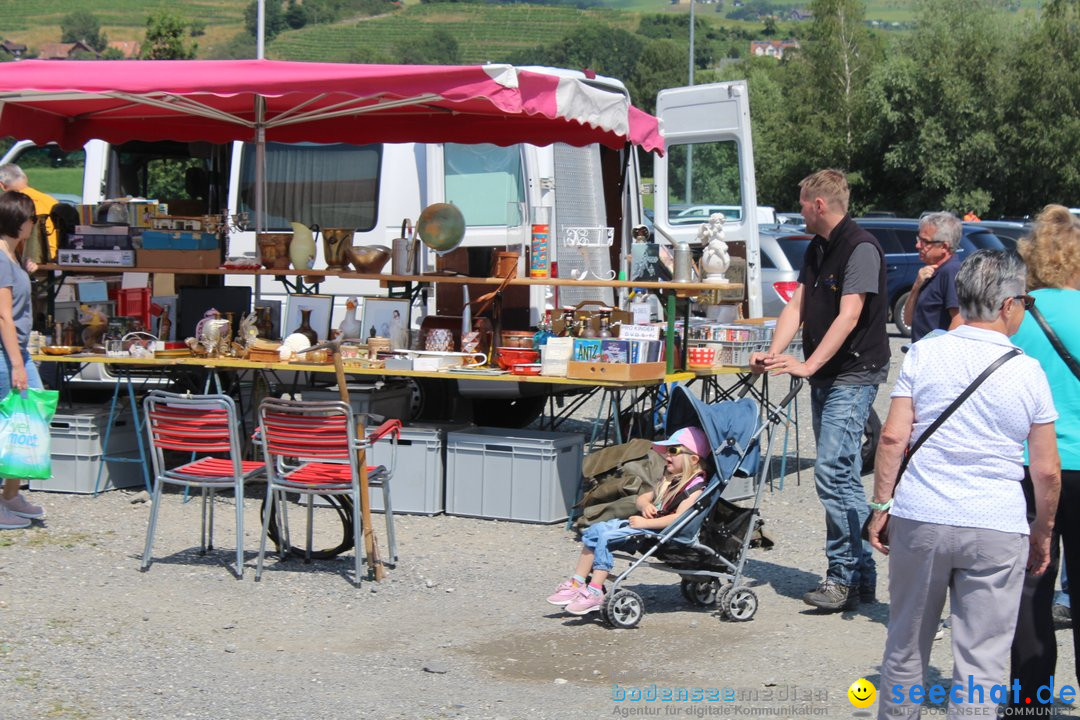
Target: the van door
(709, 167)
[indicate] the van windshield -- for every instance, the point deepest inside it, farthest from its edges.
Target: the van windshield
(334, 186)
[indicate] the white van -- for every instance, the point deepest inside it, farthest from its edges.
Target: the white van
(373, 188)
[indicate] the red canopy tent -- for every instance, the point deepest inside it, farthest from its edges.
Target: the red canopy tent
(218, 101)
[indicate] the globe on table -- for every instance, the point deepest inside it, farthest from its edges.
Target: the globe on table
(441, 227)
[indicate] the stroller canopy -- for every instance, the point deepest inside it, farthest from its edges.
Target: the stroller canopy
(729, 426)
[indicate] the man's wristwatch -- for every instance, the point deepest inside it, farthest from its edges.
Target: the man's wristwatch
(881, 507)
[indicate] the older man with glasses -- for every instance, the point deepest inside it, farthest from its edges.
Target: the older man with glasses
(932, 303)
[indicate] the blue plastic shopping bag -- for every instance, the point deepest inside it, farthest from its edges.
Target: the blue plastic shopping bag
(24, 433)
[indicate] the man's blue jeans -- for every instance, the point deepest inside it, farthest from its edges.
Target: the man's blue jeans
(839, 414)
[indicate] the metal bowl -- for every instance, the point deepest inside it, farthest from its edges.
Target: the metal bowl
(368, 259)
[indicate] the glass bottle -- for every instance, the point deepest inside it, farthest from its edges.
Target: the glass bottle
(605, 324)
(543, 332)
(585, 328)
(568, 321)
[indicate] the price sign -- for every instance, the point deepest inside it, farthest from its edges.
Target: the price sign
(583, 237)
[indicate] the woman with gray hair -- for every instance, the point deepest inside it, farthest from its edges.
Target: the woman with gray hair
(958, 522)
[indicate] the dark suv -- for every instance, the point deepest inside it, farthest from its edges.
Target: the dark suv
(902, 263)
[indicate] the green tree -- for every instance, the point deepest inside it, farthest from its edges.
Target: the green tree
(607, 50)
(437, 47)
(296, 15)
(1041, 130)
(165, 37)
(838, 56)
(83, 26)
(938, 110)
(274, 21)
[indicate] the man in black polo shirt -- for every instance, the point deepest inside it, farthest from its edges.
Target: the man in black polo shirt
(932, 304)
(842, 306)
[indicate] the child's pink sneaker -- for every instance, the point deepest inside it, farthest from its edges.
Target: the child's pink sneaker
(22, 507)
(564, 593)
(585, 602)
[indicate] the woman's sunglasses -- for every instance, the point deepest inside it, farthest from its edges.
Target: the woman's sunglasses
(677, 450)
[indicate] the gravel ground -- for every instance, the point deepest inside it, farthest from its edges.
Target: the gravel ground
(459, 629)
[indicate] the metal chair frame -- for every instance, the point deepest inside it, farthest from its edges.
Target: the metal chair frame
(311, 448)
(201, 425)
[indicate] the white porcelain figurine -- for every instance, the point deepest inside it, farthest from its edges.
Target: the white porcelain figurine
(715, 259)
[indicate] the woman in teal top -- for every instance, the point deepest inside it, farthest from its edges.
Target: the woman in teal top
(1052, 254)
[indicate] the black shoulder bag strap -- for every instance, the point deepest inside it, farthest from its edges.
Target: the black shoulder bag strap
(1070, 361)
(949, 410)
(940, 419)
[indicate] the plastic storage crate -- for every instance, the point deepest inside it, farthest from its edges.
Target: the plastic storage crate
(389, 401)
(419, 479)
(506, 474)
(77, 447)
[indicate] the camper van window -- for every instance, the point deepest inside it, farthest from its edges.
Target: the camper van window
(482, 179)
(54, 171)
(703, 178)
(334, 186)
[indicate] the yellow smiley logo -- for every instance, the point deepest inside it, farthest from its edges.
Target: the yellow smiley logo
(862, 693)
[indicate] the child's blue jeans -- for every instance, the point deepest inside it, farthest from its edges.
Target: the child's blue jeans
(600, 536)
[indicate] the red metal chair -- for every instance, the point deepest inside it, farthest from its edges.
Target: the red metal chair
(312, 448)
(207, 427)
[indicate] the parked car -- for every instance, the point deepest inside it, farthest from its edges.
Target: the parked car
(1007, 231)
(902, 263)
(781, 258)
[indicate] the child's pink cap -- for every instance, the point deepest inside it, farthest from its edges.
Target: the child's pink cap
(691, 438)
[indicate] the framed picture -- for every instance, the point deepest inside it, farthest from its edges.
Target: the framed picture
(163, 316)
(321, 307)
(388, 318)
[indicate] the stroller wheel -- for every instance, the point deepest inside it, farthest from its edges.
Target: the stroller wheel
(701, 593)
(739, 604)
(623, 609)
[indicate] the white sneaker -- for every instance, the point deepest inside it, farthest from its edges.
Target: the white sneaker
(22, 507)
(11, 521)
(940, 634)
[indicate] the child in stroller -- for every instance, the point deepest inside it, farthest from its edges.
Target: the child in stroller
(685, 453)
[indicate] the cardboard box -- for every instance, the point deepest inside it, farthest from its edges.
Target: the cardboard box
(179, 259)
(97, 258)
(615, 372)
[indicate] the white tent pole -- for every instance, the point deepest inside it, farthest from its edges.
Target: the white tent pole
(260, 181)
(260, 143)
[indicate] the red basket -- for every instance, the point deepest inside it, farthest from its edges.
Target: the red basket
(135, 302)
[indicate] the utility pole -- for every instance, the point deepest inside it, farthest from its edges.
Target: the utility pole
(689, 185)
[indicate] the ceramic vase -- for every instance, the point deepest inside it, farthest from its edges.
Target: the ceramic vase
(302, 247)
(305, 328)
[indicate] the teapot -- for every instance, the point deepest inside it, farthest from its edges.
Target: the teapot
(302, 247)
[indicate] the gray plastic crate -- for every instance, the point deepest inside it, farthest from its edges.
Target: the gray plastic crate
(83, 433)
(389, 401)
(506, 474)
(78, 473)
(419, 478)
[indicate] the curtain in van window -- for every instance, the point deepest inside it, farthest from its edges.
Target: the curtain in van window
(483, 181)
(335, 186)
